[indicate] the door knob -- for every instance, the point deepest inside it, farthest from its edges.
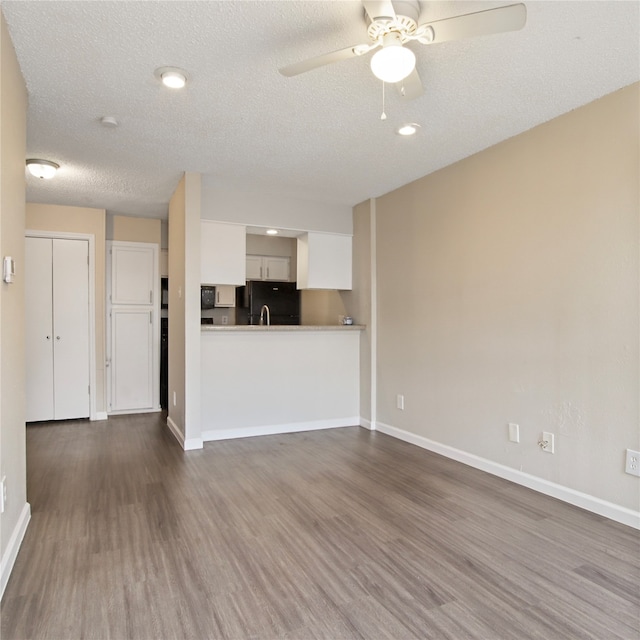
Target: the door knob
(57, 337)
(48, 337)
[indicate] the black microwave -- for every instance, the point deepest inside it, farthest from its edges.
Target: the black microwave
(207, 297)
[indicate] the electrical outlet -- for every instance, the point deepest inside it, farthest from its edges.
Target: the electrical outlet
(225, 319)
(514, 432)
(632, 464)
(400, 402)
(547, 442)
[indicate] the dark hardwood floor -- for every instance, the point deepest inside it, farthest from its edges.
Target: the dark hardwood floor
(328, 534)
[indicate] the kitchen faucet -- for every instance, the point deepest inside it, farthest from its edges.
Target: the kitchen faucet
(264, 308)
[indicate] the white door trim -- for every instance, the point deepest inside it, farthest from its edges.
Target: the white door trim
(154, 306)
(93, 415)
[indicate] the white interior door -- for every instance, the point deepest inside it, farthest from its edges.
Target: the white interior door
(132, 274)
(131, 359)
(71, 328)
(39, 329)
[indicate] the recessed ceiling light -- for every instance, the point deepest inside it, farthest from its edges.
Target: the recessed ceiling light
(42, 168)
(272, 232)
(409, 129)
(171, 77)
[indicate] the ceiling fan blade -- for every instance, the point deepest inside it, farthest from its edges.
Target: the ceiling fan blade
(411, 87)
(319, 61)
(480, 23)
(379, 9)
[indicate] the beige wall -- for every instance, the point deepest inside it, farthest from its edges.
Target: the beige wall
(184, 309)
(508, 292)
(132, 229)
(270, 246)
(13, 107)
(59, 218)
(321, 306)
(357, 302)
(176, 323)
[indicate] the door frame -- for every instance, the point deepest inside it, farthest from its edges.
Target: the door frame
(63, 235)
(155, 308)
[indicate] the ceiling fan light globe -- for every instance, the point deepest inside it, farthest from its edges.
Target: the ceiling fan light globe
(393, 63)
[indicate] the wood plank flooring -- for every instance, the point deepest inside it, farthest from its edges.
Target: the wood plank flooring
(328, 534)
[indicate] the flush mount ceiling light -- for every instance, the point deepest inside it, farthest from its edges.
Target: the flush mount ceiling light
(42, 168)
(272, 232)
(409, 129)
(171, 77)
(393, 62)
(109, 121)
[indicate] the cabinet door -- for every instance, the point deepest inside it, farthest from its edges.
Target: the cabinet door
(38, 330)
(254, 267)
(131, 359)
(222, 253)
(132, 273)
(324, 261)
(71, 329)
(225, 296)
(276, 268)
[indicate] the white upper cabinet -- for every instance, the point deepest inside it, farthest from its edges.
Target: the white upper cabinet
(269, 268)
(132, 273)
(277, 268)
(223, 249)
(254, 268)
(324, 261)
(225, 296)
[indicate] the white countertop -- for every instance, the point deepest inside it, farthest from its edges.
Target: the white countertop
(280, 327)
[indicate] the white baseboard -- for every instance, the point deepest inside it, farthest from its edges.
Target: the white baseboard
(11, 552)
(190, 443)
(367, 424)
(577, 498)
(128, 412)
(276, 429)
(100, 415)
(193, 443)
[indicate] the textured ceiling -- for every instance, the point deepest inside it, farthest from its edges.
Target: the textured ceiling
(317, 136)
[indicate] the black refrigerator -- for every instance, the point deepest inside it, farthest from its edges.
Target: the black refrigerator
(282, 298)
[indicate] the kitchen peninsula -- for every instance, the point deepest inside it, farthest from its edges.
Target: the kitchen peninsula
(259, 380)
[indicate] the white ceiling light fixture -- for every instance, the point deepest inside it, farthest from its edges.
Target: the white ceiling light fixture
(42, 168)
(109, 121)
(393, 62)
(171, 77)
(272, 232)
(409, 129)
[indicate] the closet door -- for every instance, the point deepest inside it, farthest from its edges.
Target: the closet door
(39, 329)
(57, 329)
(131, 359)
(71, 328)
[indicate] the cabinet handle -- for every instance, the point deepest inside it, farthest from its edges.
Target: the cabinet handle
(48, 337)
(151, 297)
(217, 297)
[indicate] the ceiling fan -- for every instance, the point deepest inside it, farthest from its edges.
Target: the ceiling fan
(392, 25)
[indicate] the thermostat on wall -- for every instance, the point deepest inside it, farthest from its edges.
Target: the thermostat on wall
(9, 269)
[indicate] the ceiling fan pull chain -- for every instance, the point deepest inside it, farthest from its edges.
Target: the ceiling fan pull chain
(383, 116)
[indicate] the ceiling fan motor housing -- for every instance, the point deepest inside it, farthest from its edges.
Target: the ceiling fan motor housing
(405, 22)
